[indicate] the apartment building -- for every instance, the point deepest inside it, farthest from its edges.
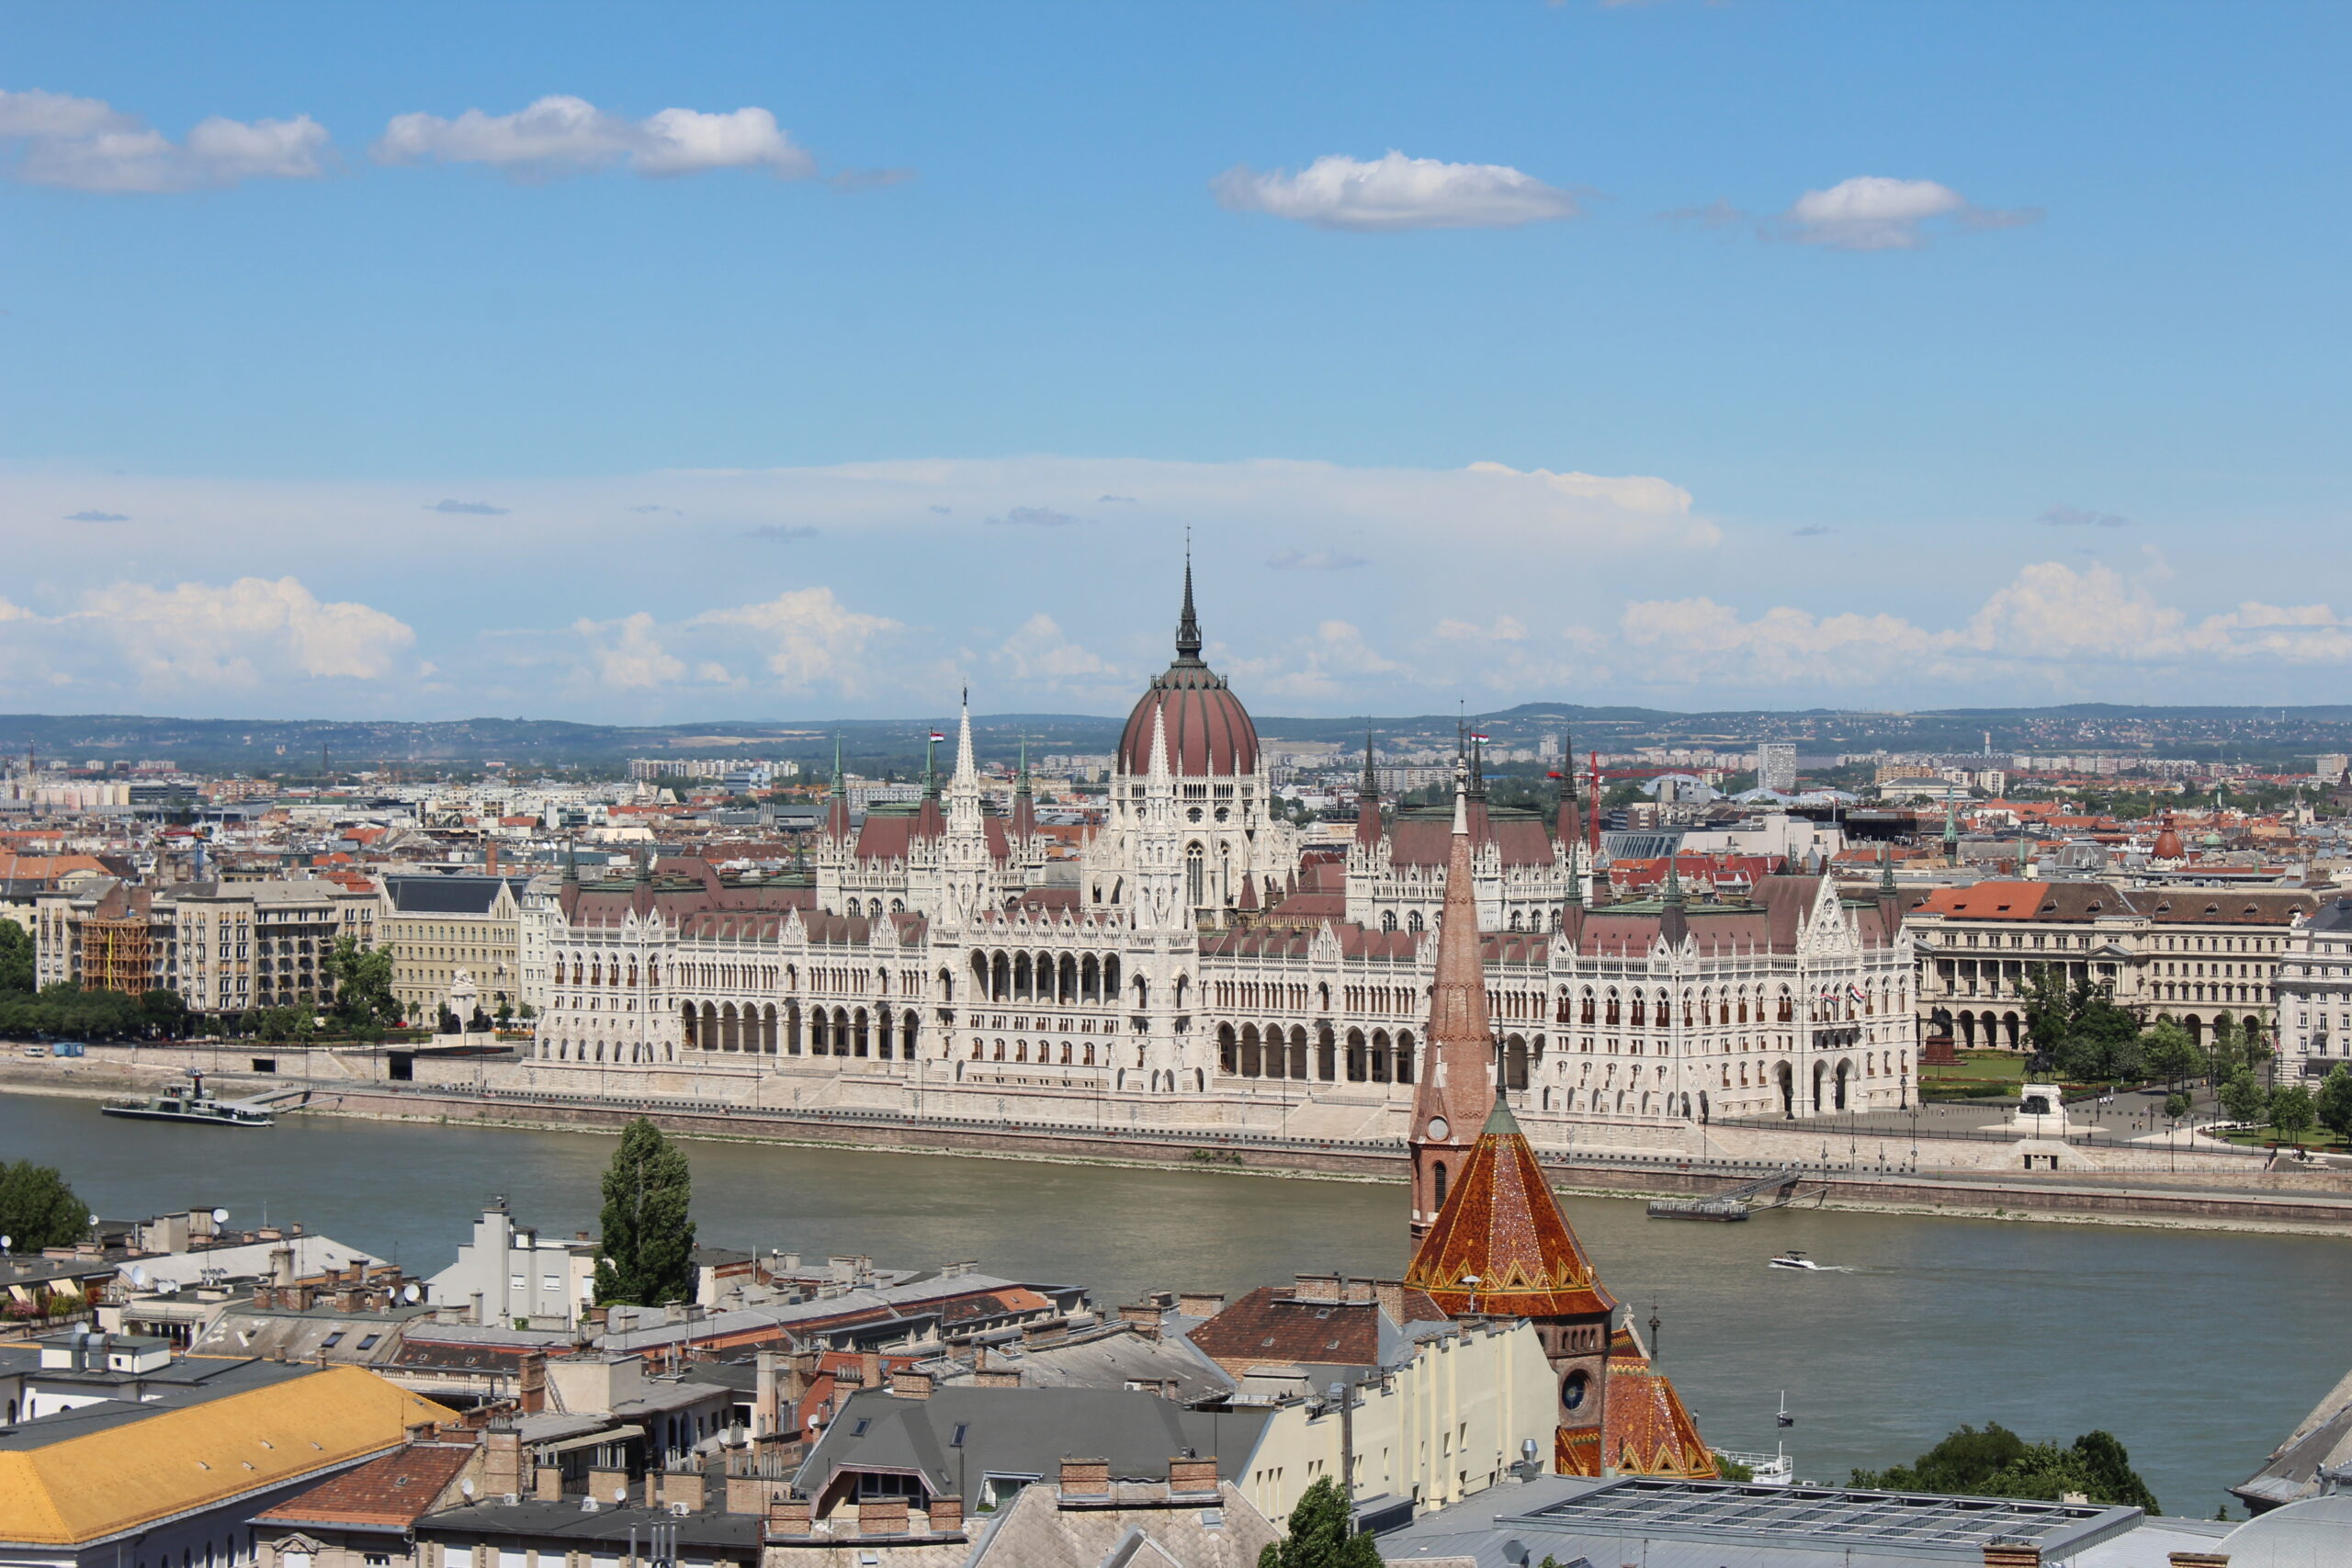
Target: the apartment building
(439, 925)
(224, 947)
(2190, 953)
(2314, 992)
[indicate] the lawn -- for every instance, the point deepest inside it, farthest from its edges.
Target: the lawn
(1978, 1075)
(2263, 1137)
(2003, 1066)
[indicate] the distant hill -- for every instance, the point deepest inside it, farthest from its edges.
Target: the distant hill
(302, 748)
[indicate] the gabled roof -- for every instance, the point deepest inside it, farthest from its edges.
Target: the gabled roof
(387, 1494)
(1500, 1246)
(963, 1434)
(1646, 1429)
(1428, 840)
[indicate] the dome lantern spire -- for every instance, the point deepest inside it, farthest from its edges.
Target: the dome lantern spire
(1188, 626)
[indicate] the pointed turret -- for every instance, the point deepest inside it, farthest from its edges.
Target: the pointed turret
(1368, 799)
(837, 826)
(1456, 1086)
(1674, 920)
(967, 769)
(1500, 1248)
(1023, 825)
(1570, 824)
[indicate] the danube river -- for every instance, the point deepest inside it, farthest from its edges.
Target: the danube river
(2199, 1349)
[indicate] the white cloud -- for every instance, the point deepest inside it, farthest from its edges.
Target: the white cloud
(2050, 625)
(562, 135)
(198, 636)
(1040, 651)
(1502, 628)
(1395, 193)
(54, 138)
(1317, 667)
(627, 654)
(1871, 212)
(804, 638)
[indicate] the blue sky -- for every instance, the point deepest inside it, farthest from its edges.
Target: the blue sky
(811, 361)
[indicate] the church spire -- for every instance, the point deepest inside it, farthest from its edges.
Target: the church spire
(1188, 628)
(1456, 1087)
(967, 767)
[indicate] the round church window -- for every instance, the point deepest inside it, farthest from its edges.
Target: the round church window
(1438, 1129)
(1572, 1391)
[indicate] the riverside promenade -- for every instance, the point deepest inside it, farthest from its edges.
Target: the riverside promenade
(1895, 1166)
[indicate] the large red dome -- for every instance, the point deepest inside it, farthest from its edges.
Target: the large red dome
(1208, 729)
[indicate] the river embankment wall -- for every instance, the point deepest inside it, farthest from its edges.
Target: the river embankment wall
(2229, 1193)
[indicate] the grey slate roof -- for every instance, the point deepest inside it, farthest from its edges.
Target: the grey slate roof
(449, 894)
(1699, 1524)
(1024, 1432)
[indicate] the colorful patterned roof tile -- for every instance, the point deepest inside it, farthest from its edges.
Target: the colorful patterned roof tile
(1500, 1246)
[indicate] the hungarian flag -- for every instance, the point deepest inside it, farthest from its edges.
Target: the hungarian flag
(1481, 739)
(1556, 775)
(939, 735)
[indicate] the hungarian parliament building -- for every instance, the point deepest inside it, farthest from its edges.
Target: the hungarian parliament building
(1203, 969)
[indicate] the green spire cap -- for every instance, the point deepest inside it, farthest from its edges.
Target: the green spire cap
(1500, 1122)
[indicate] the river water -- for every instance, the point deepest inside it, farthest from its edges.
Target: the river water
(2199, 1349)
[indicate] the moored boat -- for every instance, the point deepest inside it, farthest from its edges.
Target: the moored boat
(191, 1101)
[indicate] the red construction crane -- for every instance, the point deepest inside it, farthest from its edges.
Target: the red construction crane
(1594, 775)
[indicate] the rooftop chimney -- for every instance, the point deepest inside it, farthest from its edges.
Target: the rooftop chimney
(1199, 1304)
(1192, 1476)
(910, 1384)
(1086, 1478)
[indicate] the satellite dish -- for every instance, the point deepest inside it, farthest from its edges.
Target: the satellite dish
(6, 1242)
(411, 1294)
(620, 1495)
(467, 1486)
(138, 1276)
(220, 1216)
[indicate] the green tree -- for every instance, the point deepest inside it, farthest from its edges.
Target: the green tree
(16, 958)
(2049, 1014)
(1997, 1462)
(163, 1012)
(2176, 1105)
(2227, 1054)
(38, 1210)
(363, 983)
(1320, 1534)
(645, 1257)
(2335, 1107)
(2241, 1097)
(2169, 1052)
(2292, 1110)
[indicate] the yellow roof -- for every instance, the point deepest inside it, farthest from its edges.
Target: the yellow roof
(192, 1457)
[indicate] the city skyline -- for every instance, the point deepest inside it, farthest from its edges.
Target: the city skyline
(766, 364)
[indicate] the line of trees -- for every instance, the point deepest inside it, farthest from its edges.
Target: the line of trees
(1997, 1462)
(2076, 1028)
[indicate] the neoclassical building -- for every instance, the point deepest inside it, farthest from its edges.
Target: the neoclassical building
(1194, 967)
